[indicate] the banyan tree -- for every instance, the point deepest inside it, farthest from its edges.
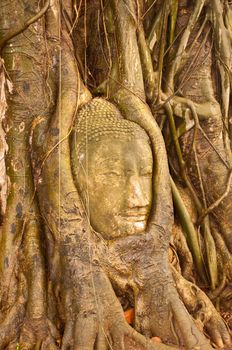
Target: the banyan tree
(116, 172)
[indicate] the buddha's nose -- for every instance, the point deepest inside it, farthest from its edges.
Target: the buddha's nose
(137, 194)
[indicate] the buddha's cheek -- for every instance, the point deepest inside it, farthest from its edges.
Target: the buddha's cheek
(105, 206)
(109, 203)
(114, 206)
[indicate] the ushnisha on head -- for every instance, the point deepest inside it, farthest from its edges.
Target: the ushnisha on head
(112, 167)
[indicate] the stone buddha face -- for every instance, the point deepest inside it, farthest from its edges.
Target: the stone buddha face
(115, 183)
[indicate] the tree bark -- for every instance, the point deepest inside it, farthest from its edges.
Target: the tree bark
(154, 61)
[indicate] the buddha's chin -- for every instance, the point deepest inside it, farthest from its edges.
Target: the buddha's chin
(139, 227)
(129, 229)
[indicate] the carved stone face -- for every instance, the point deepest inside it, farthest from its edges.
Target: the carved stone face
(116, 186)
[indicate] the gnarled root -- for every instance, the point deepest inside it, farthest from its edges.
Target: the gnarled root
(37, 332)
(202, 309)
(23, 311)
(11, 325)
(103, 317)
(165, 316)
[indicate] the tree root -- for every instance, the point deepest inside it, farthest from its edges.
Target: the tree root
(103, 318)
(11, 325)
(203, 311)
(37, 331)
(183, 261)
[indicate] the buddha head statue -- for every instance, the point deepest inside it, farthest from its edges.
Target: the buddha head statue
(112, 166)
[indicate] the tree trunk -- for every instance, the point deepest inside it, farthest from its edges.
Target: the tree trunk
(164, 65)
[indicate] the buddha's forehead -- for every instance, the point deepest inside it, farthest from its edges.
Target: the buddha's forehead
(115, 152)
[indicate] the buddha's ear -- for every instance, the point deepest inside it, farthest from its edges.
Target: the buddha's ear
(78, 161)
(81, 183)
(80, 175)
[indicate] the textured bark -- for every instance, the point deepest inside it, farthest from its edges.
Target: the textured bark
(61, 284)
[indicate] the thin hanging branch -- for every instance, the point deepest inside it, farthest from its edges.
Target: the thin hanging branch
(218, 201)
(189, 229)
(183, 42)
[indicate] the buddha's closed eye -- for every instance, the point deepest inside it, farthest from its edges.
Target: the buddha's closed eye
(113, 173)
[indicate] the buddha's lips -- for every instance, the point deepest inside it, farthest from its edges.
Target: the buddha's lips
(135, 216)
